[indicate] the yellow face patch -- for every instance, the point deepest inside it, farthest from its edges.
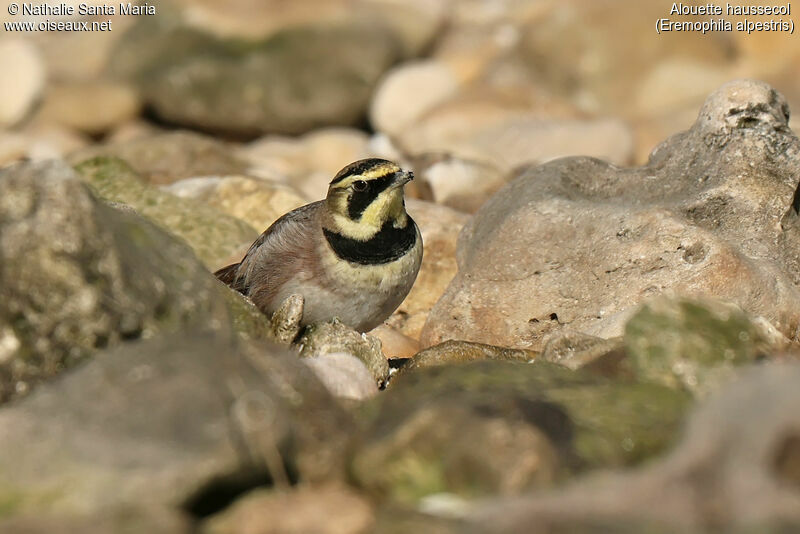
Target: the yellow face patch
(364, 196)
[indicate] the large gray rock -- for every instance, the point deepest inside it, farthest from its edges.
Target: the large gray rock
(183, 421)
(292, 82)
(77, 275)
(580, 242)
(735, 471)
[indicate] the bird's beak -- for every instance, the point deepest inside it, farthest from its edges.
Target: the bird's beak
(402, 178)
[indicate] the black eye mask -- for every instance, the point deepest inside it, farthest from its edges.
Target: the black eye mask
(358, 201)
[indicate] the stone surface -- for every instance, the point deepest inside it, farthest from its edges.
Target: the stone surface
(90, 107)
(247, 320)
(725, 476)
(287, 318)
(78, 276)
(575, 350)
(38, 142)
(344, 375)
(257, 202)
(248, 88)
(693, 345)
(587, 69)
(508, 138)
(22, 81)
(124, 520)
(163, 158)
(439, 227)
(463, 185)
(321, 510)
(395, 344)
(416, 23)
(308, 162)
(260, 18)
(391, 109)
(579, 243)
(500, 428)
(335, 337)
(451, 352)
(184, 421)
(213, 235)
(395, 519)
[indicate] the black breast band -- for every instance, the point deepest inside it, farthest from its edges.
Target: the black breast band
(387, 245)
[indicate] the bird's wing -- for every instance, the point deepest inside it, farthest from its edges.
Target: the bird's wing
(286, 249)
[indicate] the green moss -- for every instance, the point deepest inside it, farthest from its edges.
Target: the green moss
(247, 320)
(412, 477)
(213, 235)
(592, 422)
(691, 345)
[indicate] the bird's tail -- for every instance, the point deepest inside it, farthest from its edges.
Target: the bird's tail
(228, 275)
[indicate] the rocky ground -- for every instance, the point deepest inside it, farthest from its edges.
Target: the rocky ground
(604, 335)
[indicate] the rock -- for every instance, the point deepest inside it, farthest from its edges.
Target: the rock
(400, 520)
(134, 130)
(168, 157)
(213, 235)
(309, 162)
(286, 319)
(451, 352)
(151, 519)
(23, 79)
(595, 78)
(734, 443)
(439, 227)
(78, 55)
(575, 350)
(429, 81)
(500, 428)
(506, 125)
(186, 421)
(677, 84)
(37, 142)
(463, 185)
(323, 510)
(257, 202)
(294, 81)
(508, 138)
(416, 23)
(90, 107)
(344, 375)
(712, 214)
(240, 19)
(335, 337)
(395, 344)
(247, 320)
(78, 276)
(692, 345)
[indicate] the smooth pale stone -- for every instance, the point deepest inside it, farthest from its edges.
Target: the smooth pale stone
(22, 80)
(408, 91)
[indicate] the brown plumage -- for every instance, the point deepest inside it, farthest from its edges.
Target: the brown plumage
(353, 255)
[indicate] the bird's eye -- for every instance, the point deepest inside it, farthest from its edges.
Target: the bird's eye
(360, 185)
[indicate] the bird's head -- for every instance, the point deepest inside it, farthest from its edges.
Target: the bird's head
(367, 194)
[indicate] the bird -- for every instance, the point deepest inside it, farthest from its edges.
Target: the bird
(353, 256)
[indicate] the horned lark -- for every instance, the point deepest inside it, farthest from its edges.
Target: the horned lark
(354, 255)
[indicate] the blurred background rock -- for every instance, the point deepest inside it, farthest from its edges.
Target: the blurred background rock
(179, 136)
(492, 83)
